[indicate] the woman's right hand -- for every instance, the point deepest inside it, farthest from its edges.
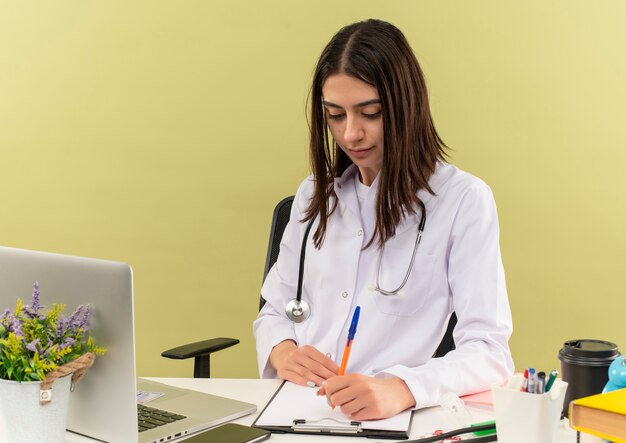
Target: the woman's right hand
(301, 365)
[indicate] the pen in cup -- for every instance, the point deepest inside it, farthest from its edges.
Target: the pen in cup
(532, 378)
(553, 375)
(540, 384)
(524, 387)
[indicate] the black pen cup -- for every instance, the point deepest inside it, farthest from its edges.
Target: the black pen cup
(584, 366)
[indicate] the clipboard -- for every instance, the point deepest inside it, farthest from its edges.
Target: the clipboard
(297, 409)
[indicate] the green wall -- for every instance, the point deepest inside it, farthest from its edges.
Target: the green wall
(162, 133)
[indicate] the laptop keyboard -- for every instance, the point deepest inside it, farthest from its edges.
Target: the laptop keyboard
(150, 418)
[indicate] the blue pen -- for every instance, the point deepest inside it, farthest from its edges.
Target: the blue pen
(532, 379)
(351, 334)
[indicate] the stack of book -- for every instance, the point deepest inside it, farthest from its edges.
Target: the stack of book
(603, 415)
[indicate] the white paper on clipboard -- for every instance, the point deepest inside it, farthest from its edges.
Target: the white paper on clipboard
(295, 402)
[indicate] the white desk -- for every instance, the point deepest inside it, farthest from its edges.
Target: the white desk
(260, 391)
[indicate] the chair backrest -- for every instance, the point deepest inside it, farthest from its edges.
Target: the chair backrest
(282, 211)
(447, 342)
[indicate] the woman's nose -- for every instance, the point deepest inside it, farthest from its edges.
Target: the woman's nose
(354, 130)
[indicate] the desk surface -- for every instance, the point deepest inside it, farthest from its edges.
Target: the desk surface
(260, 391)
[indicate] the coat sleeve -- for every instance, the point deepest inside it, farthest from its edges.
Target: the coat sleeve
(272, 326)
(479, 298)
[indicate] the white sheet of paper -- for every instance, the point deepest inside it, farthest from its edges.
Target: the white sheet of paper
(294, 402)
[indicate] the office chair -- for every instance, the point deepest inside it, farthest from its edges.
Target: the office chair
(201, 351)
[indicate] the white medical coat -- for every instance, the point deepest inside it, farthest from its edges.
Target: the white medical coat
(458, 268)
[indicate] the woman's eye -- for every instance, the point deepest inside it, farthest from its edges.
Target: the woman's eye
(335, 116)
(372, 115)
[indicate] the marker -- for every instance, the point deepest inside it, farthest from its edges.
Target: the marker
(553, 376)
(532, 378)
(540, 385)
(484, 424)
(351, 334)
(524, 387)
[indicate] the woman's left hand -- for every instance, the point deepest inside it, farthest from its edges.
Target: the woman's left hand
(367, 398)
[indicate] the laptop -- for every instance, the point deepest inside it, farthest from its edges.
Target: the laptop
(104, 404)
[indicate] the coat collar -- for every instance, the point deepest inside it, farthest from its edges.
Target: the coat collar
(346, 194)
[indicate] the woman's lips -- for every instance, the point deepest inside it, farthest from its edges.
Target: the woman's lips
(361, 152)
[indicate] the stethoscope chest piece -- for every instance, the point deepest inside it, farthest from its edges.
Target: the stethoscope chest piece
(297, 310)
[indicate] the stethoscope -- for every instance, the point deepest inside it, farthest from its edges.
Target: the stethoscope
(298, 310)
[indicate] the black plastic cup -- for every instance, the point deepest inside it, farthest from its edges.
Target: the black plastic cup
(585, 367)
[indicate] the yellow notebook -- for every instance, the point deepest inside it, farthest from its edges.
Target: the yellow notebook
(603, 415)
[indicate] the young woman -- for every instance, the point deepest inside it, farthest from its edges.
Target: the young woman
(395, 230)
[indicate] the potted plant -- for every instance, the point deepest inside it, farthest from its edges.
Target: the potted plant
(42, 352)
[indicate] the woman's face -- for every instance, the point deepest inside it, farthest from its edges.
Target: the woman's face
(354, 116)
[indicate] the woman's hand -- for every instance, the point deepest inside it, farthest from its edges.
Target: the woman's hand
(302, 365)
(367, 398)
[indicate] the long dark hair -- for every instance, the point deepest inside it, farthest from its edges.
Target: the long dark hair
(377, 53)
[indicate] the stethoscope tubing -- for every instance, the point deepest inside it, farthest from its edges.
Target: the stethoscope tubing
(302, 256)
(420, 229)
(298, 310)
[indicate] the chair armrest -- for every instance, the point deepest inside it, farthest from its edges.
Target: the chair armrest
(200, 348)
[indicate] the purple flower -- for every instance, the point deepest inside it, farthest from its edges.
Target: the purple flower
(79, 318)
(32, 311)
(35, 305)
(74, 317)
(16, 328)
(6, 318)
(32, 346)
(62, 326)
(85, 318)
(67, 343)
